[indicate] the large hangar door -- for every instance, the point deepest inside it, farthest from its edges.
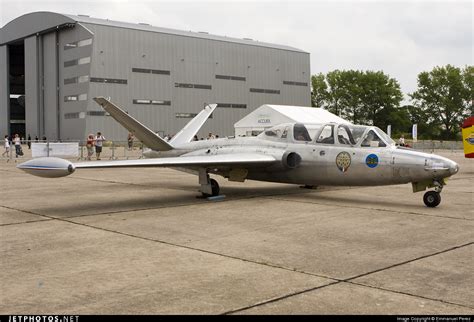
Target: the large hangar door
(41, 86)
(16, 77)
(31, 65)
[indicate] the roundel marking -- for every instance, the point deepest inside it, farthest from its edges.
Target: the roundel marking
(372, 160)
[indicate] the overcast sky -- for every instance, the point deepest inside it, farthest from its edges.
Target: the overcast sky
(401, 38)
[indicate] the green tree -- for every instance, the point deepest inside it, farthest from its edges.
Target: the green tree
(380, 98)
(352, 94)
(468, 80)
(319, 93)
(400, 121)
(360, 97)
(428, 127)
(444, 96)
(335, 91)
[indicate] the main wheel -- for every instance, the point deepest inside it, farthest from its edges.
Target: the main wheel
(214, 187)
(432, 199)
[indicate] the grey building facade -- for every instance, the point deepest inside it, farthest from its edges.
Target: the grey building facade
(53, 65)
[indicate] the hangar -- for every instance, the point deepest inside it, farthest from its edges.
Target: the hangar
(269, 115)
(52, 65)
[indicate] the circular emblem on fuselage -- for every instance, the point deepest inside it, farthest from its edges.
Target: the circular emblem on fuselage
(343, 161)
(372, 160)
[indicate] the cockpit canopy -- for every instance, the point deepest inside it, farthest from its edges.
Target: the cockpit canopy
(291, 132)
(330, 133)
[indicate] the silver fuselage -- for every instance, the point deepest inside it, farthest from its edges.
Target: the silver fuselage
(318, 164)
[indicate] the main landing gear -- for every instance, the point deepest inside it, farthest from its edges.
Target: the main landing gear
(433, 198)
(209, 187)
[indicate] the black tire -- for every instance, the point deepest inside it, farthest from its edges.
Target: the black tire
(432, 199)
(215, 187)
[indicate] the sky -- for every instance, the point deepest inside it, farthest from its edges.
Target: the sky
(400, 38)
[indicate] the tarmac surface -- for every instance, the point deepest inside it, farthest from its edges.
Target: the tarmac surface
(138, 241)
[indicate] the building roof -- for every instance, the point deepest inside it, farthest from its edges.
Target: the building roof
(41, 21)
(270, 115)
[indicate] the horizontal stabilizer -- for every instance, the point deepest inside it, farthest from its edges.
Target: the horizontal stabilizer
(141, 132)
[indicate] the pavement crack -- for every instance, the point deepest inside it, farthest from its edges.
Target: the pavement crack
(194, 249)
(276, 299)
(409, 294)
(350, 281)
(409, 261)
(46, 218)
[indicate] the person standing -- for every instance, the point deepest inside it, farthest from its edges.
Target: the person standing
(130, 140)
(90, 146)
(17, 142)
(29, 142)
(6, 146)
(401, 141)
(99, 140)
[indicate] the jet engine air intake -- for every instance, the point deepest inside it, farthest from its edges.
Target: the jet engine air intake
(291, 160)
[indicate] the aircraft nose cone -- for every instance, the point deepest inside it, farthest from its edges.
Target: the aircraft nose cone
(453, 168)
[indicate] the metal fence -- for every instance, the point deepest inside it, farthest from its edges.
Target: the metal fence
(111, 150)
(431, 146)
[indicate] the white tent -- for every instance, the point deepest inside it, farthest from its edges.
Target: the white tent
(270, 115)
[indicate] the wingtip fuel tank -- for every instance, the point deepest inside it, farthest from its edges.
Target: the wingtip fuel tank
(48, 167)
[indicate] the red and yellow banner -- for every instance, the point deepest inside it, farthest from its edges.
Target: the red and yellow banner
(468, 137)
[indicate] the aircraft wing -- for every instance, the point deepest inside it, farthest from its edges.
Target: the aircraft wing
(193, 126)
(55, 167)
(141, 132)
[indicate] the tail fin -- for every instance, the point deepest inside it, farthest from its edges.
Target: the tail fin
(193, 126)
(141, 132)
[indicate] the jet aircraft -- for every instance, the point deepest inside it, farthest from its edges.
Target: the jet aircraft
(337, 154)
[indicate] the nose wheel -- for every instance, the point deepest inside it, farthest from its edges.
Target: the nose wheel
(432, 199)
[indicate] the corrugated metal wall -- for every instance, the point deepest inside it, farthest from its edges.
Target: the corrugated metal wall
(115, 51)
(71, 114)
(4, 98)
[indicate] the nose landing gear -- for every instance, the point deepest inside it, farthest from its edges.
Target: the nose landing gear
(433, 198)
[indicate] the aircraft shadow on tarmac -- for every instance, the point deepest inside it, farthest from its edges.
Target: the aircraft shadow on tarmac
(187, 195)
(148, 199)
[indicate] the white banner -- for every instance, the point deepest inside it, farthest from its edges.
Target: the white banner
(55, 149)
(414, 132)
(389, 130)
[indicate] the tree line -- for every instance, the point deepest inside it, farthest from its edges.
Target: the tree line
(443, 99)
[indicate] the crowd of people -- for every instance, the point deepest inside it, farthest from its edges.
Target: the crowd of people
(210, 136)
(16, 141)
(94, 143)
